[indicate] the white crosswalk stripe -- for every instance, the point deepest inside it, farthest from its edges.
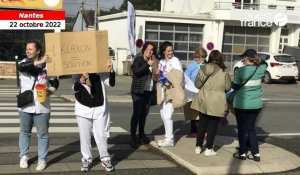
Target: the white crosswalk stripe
(62, 115)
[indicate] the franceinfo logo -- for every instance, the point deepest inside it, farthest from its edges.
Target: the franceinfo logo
(264, 20)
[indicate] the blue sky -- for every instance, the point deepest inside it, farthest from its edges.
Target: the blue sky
(72, 6)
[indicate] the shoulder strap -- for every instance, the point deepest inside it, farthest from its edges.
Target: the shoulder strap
(209, 76)
(34, 83)
(245, 82)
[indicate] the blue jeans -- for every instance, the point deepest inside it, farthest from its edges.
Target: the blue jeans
(41, 122)
(246, 119)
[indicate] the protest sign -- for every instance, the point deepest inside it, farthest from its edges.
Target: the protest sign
(77, 52)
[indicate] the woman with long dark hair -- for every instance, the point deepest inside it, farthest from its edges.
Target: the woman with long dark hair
(213, 81)
(169, 66)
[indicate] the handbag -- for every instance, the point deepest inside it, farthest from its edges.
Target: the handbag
(154, 96)
(230, 97)
(231, 94)
(25, 97)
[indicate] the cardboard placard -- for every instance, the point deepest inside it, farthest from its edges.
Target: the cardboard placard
(77, 52)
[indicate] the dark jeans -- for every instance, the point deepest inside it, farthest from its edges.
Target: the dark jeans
(141, 106)
(194, 125)
(207, 124)
(246, 119)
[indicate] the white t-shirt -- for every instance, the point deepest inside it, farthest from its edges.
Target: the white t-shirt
(149, 82)
(26, 82)
(167, 66)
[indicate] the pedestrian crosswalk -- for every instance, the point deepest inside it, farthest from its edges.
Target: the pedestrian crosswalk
(62, 119)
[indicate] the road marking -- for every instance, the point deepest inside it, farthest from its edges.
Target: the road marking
(66, 108)
(14, 130)
(58, 110)
(8, 93)
(52, 120)
(12, 89)
(52, 104)
(52, 113)
(278, 134)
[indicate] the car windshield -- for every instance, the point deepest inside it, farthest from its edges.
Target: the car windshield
(284, 58)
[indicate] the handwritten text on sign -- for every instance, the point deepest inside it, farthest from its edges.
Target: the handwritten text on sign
(77, 52)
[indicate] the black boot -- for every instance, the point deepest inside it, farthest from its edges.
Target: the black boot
(134, 142)
(143, 140)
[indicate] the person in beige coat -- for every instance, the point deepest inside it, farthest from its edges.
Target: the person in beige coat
(213, 81)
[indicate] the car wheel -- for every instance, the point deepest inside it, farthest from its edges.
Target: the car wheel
(292, 81)
(267, 78)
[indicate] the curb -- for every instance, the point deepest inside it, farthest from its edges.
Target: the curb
(270, 164)
(174, 157)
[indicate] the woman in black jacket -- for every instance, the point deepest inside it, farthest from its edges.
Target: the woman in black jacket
(141, 91)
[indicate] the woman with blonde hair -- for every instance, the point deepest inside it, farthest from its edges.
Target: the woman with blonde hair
(191, 72)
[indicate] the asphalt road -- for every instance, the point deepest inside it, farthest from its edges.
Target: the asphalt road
(64, 152)
(277, 124)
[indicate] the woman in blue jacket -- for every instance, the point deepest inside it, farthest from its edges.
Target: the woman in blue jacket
(199, 58)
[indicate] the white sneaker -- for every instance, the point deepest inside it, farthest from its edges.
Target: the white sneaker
(210, 152)
(24, 162)
(42, 164)
(86, 165)
(198, 150)
(165, 143)
(107, 165)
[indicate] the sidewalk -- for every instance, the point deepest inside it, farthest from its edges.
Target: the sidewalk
(224, 163)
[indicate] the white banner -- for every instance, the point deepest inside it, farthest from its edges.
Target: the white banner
(190, 90)
(131, 27)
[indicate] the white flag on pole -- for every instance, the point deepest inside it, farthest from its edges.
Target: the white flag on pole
(131, 27)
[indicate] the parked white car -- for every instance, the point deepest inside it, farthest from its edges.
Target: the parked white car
(280, 67)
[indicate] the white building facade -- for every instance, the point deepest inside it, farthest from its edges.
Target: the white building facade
(227, 25)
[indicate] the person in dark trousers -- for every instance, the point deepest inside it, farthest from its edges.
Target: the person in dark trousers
(213, 81)
(143, 84)
(248, 103)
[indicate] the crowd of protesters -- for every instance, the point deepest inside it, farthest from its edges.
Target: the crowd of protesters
(157, 79)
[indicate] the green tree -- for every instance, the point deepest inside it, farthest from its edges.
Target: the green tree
(110, 11)
(151, 5)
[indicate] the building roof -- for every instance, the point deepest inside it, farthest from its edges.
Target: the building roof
(88, 17)
(143, 13)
